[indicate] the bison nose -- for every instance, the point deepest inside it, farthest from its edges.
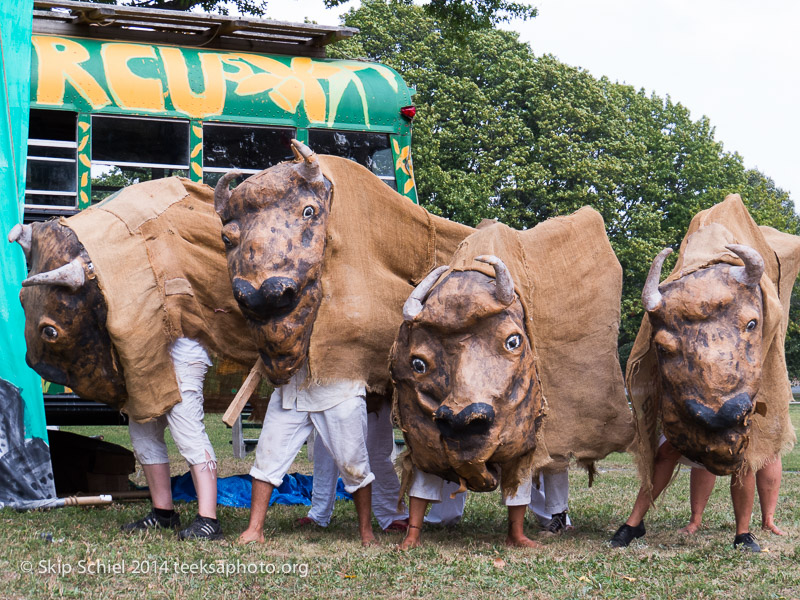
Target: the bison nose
(247, 296)
(731, 414)
(279, 292)
(475, 419)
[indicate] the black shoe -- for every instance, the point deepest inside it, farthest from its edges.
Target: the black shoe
(746, 541)
(202, 528)
(626, 534)
(557, 524)
(153, 521)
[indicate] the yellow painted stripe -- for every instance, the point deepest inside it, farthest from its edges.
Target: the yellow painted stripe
(85, 160)
(196, 168)
(198, 131)
(84, 126)
(197, 149)
(84, 198)
(84, 178)
(83, 143)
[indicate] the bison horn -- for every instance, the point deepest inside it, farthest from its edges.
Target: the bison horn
(70, 275)
(311, 164)
(413, 305)
(504, 284)
(23, 235)
(222, 192)
(750, 273)
(651, 296)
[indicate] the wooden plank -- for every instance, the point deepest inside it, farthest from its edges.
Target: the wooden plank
(243, 395)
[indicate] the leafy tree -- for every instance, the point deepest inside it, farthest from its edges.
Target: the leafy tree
(501, 133)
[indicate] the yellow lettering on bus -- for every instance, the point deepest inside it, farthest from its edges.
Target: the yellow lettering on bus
(211, 101)
(60, 62)
(129, 90)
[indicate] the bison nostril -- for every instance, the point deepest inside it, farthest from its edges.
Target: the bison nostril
(475, 419)
(245, 294)
(732, 413)
(279, 292)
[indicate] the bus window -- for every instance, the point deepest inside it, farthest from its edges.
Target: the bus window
(247, 148)
(128, 150)
(369, 149)
(51, 183)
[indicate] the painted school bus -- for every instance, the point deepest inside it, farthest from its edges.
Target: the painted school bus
(116, 99)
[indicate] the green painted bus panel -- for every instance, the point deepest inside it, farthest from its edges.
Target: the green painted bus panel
(16, 22)
(93, 76)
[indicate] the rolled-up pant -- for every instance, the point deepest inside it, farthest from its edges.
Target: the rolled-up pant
(431, 488)
(385, 488)
(552, 497)
(342, 429)
(185, 419)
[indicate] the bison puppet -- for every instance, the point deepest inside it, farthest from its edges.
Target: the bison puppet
(123, 302)
(322, 255)
(707, 369)
(502, 371)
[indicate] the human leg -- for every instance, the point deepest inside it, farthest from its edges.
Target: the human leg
(666, 459)
(556, 496)
(701, 484)
(425, 488)
(323, 491)
(768, 483)
(386, 487)
(743, 492)
(343, 429)
(281, 438)
(449, 511)
(517, 505)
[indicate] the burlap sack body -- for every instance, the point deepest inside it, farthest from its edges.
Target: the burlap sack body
(160, 263)
(379, 246)
(728, 222)
(570, 284)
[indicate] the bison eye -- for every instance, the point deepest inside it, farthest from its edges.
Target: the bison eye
(50, 333)
(226, 240)
(418, 365)
(513, 341)
(751, 325)
(308, 212)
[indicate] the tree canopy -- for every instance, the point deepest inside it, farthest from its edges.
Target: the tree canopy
(501, 133)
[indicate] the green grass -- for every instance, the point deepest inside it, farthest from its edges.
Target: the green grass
(467, 561)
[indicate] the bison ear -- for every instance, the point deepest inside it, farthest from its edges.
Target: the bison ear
(71, 275)
(222, 192)
(413, 305)
(750, 273)
(651, 295)
(23, 235)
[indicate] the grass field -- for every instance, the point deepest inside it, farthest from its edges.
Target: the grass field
(469, 560)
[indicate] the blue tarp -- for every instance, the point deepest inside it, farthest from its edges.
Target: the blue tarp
(237, 490)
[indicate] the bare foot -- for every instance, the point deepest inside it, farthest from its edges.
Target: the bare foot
(369, 540)
(522, 542)
(250, 536)
(773, 528)
(690, 529)
(409, 542)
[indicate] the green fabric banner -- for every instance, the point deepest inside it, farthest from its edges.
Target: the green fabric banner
(16, 22)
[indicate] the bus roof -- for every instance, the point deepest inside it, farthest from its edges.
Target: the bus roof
(109, 22)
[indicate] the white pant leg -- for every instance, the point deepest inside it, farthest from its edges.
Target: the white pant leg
(386, 488)
(537, 503)
(522, 495)
(426, 486)
(556, 492)
(323, 492)
(147, 440)
(281, 438)
(450, 510)
(343, 429)
(185, 419)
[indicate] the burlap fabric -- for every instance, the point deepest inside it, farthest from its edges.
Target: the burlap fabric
(379, 246)
(570, 283)
(728, 222)
(160, 263)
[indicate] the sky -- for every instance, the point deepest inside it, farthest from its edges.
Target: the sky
(735, 61)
